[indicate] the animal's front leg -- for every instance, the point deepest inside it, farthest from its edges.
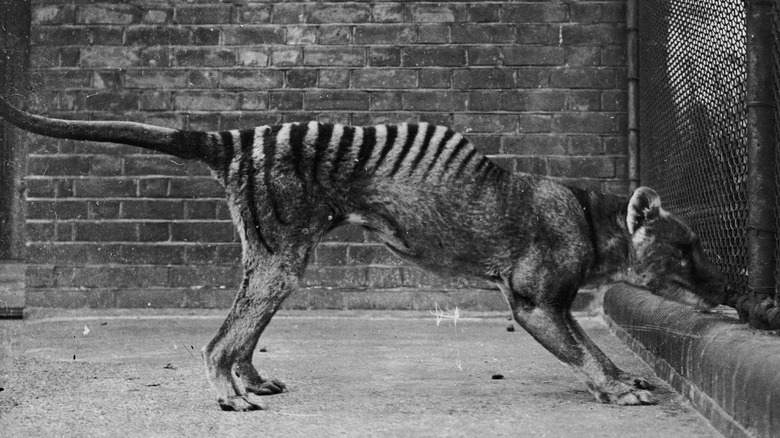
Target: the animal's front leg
(544, 313)
(228, 356)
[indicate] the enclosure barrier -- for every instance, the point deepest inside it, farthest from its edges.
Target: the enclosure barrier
(707, 118)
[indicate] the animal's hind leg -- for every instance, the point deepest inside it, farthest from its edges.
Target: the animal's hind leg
(228, 356)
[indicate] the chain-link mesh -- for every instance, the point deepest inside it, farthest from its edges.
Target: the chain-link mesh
(693, 120)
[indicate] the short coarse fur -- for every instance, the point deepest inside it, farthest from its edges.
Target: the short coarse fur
(434, 200)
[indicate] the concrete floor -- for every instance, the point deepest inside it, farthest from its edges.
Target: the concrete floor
(138, 373)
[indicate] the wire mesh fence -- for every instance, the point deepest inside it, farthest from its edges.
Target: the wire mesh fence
(692, 64)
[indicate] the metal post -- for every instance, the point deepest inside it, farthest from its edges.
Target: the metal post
(761, 158)
(632, 72)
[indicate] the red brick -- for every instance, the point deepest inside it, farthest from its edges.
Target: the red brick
(53, 14)
(483, 13)
(196, 188)
(285, 100)
(107, 209)
(384, 57)
(144, 253)
(113, 14)
(206, 36)
(535, 34)
(434, 101)
(253, 79)
(592, 34)
(487, 55)
(437, 56)
(156, 36)
(334, 78)
(301, 78)
(105, 232)
(384, 78)
(435, 78)
(155, 15)
(535, 13)
(40, 188)
(254, 13)
(534, 100)
(253, 35)
(104, 188)
(583, 100)
(535, 145)
(577, 167)
(491, 123)
(534, 55)
(331, 255)
(291, 13)
(57, 165)
(438, 12)
(205, 57)
(39, 232)
(534, 123)
(483, 78)
(385, 34)
(105, 165)
(433, 33)
(372, 254)
(336, 100)
(203, 14)
(337, 13)
(148, 209)
(390, 12)
(583, 78)
(386, 101)
(586, 122)
(286, 57)
(154, 78)
(334, 56)
(112, 101)
(484, 101)
(197, 209)
(483, 33)
(109, 56)
(212, 231)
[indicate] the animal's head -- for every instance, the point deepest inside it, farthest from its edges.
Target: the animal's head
(667, 255)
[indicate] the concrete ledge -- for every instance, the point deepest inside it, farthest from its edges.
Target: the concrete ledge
(729, 372)
(11, 290)
(306, 298)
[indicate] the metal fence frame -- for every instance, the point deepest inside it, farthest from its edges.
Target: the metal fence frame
(758, 300)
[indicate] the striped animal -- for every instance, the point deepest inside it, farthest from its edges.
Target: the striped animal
(434, 200)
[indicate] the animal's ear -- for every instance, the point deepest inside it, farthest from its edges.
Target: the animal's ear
(645, 205)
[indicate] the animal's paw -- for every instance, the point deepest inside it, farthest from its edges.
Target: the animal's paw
(238, 403)
(635, 381)
(624, 395)
(265, 387)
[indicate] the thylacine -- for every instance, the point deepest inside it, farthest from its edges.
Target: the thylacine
(434, 200)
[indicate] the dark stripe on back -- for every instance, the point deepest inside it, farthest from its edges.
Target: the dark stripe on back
(247, 167)
(423, 148)
(324, 133)
(458, 147)
(465, 162)
(442, 144)
(366, 149)
(297, 134)
(345, 144)
(411, 135)
(227, 147)
(269, 159)
(392, 133)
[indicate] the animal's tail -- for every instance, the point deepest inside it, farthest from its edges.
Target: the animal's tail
(182, 144)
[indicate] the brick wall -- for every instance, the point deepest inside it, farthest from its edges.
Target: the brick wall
(538, 86)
